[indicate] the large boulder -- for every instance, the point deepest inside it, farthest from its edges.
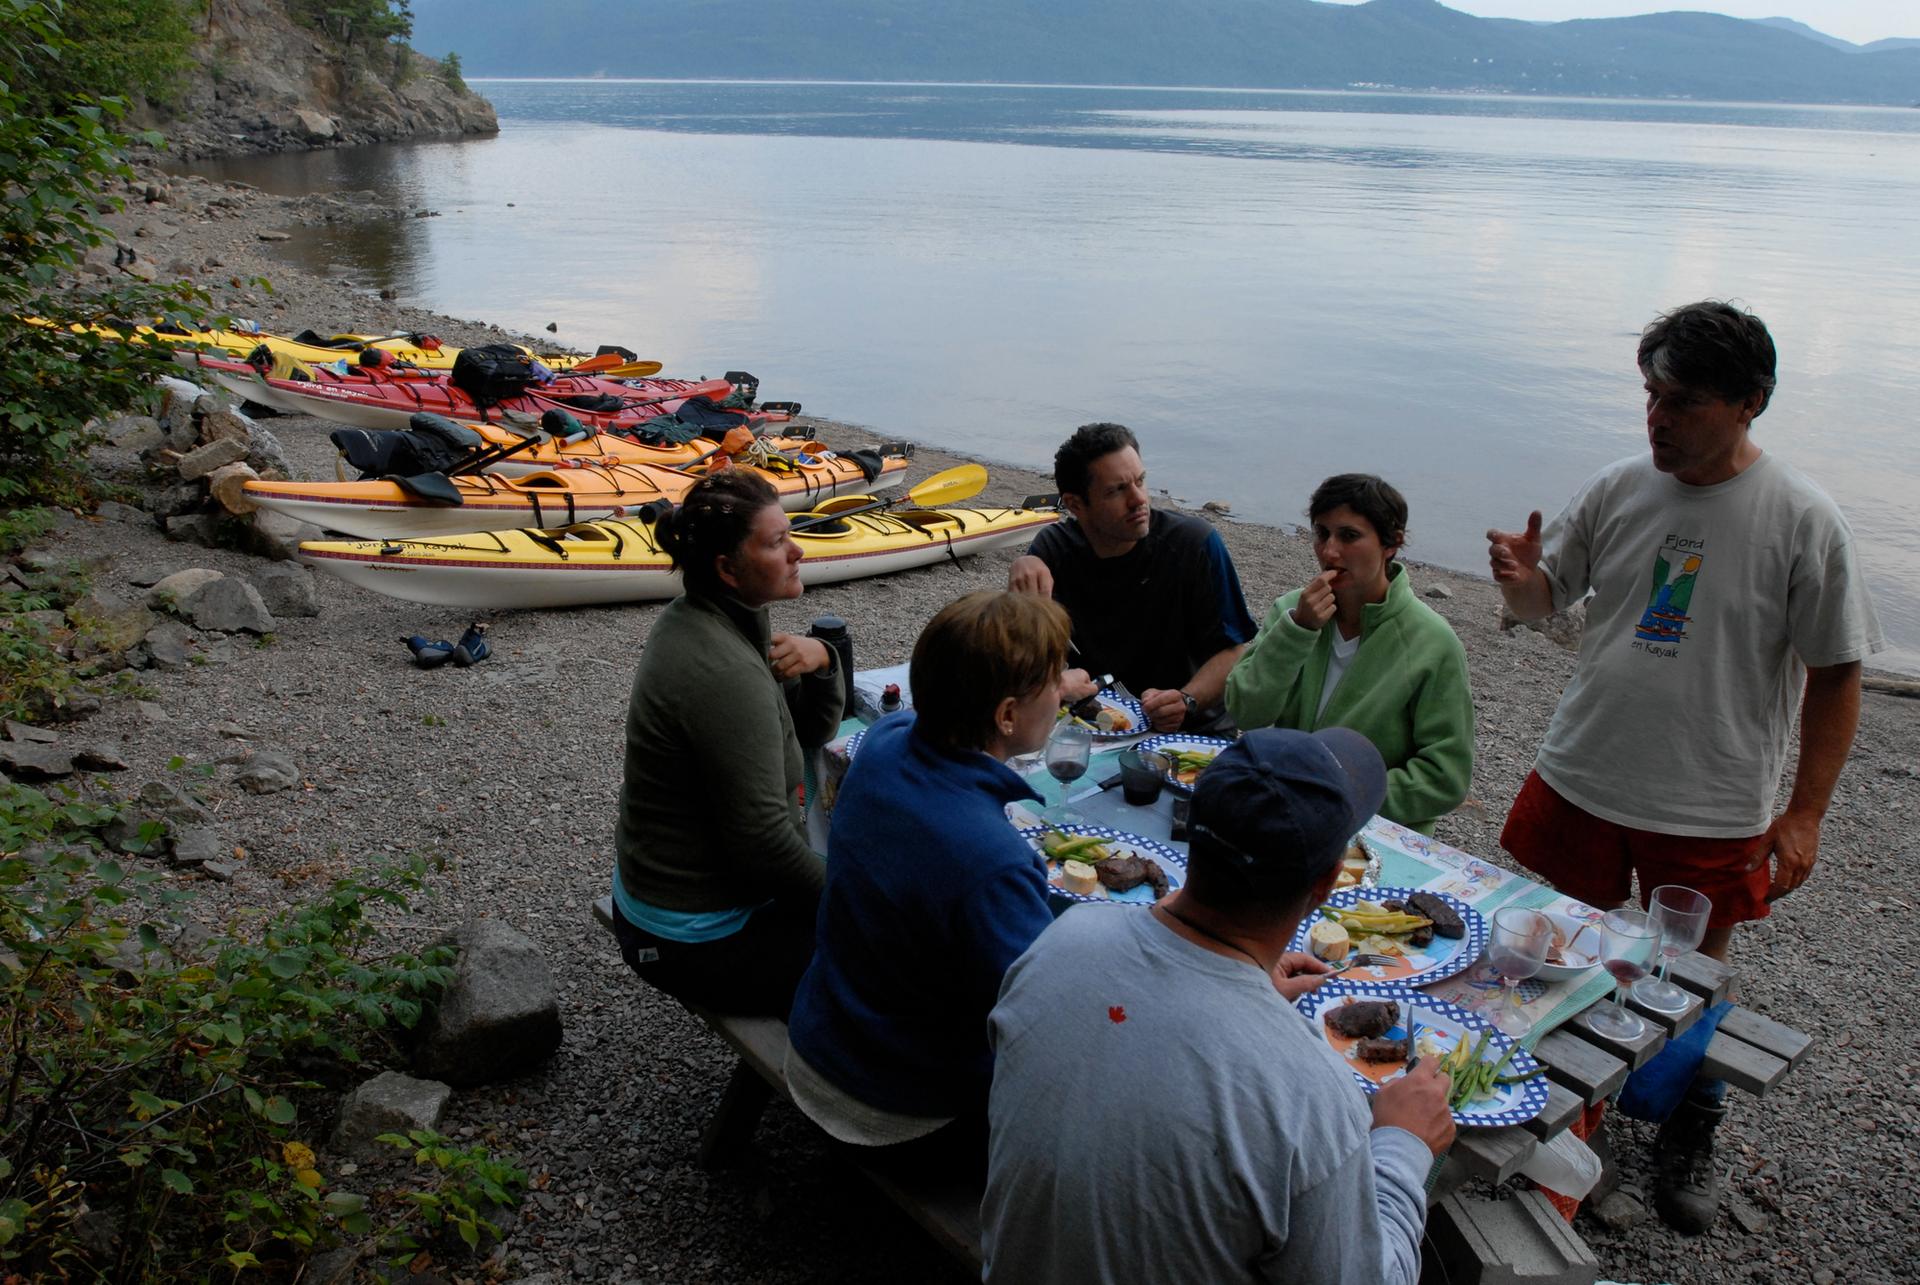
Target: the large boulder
(105, 623)
(498, 1017)
(193, 528)
(229, 605)
(223, 422)
(287, 588)
(277, 536)
(170, 591)
(266, 456)
(388, 1103)
(34, 761)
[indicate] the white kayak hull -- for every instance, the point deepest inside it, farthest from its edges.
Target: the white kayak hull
(446, 582)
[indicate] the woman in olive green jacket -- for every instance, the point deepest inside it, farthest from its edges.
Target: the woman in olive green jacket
(1354, 648)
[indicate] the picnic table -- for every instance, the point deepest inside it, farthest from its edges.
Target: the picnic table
(1521, 1238)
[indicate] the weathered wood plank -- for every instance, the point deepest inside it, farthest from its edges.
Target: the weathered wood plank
(1672, 1023)
(1563, 1107)
(1592, 1073)
(1634, 1051)
(1742, 1065)
(1767, 1035)
(1493, 1155)
(1703, 975)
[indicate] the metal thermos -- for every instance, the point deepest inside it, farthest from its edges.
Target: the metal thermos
(833, 631)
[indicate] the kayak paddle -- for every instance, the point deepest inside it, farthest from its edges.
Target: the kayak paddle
(948, 487)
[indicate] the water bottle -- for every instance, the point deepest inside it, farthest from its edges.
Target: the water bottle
(832, 631)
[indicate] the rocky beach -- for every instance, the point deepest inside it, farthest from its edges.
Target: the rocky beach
(507, 772)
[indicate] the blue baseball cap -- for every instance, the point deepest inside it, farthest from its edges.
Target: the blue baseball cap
(1280, 806)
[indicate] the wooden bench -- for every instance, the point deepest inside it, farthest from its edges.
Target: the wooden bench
(947, 1211)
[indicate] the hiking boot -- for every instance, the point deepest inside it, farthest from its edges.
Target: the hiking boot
(1689, 1186)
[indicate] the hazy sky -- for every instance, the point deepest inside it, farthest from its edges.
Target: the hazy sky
(1855, 20)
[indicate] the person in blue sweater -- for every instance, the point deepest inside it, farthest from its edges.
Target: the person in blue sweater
(931, 895)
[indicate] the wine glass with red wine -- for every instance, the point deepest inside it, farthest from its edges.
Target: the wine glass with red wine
(1628, 939)
(1069, 751)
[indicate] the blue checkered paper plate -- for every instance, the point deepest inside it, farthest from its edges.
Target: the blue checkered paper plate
(853, 743)
(1173, 741)
(1444, 957)
(1442, 1025)
(1120, 844)
(1137, 717)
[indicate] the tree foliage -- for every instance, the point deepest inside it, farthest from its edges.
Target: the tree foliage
(62, 158)
(351, 22)
(118, 48)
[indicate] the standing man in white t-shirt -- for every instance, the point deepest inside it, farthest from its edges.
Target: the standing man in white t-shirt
(1724, 583)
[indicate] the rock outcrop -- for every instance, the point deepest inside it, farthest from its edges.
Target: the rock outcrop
(263, 83)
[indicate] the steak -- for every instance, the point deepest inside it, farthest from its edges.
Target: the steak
(1446, 923)
(1364, 1019)
(1379, 1050)
(1124, 874)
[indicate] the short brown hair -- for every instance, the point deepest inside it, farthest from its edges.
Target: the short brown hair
(976, 652)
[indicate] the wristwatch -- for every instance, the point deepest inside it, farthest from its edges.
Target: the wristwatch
(1193, 706)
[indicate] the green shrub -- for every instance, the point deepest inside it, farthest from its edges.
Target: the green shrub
(59, 157)
(164, 1083)
(450, 72)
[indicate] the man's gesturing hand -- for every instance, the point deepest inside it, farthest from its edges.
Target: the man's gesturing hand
(1793, 841)
(1417, 1102)
(1030, 575)
(1515, 555)
(1315, 607)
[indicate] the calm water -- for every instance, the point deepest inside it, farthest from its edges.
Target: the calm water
(1269, 287)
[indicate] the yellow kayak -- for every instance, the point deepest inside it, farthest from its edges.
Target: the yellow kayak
(424, 351)
(621, 561)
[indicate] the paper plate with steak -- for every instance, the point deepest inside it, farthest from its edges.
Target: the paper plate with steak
(1421, 936)
(1495, 1081)
(1094, 863)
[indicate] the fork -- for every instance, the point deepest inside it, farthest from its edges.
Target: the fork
(1363, 961)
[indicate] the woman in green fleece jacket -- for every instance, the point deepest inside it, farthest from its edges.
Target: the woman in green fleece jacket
(715, 884)
(1356, 649)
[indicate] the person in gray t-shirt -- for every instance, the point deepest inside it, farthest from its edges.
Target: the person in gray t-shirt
(1160, 1111)
(1722, 595)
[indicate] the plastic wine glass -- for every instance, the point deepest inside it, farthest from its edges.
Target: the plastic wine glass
(1681, 916)
(1628, 939)
(1517, 947)
(1069, 751)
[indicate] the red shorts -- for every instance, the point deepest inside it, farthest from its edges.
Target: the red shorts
(1595, 861)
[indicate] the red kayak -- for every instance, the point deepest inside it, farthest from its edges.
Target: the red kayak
(389, 396)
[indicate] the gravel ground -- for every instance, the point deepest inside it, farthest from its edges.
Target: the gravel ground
(509, 771)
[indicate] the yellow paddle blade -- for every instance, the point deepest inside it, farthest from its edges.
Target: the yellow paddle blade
(950, 486)
(633, 370)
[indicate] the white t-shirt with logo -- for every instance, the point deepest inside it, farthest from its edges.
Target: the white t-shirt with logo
(1709, 602)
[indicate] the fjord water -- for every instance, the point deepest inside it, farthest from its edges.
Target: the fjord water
(1268, 287)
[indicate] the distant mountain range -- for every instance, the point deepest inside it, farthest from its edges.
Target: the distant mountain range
(1802, 29)
(1404, 44)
